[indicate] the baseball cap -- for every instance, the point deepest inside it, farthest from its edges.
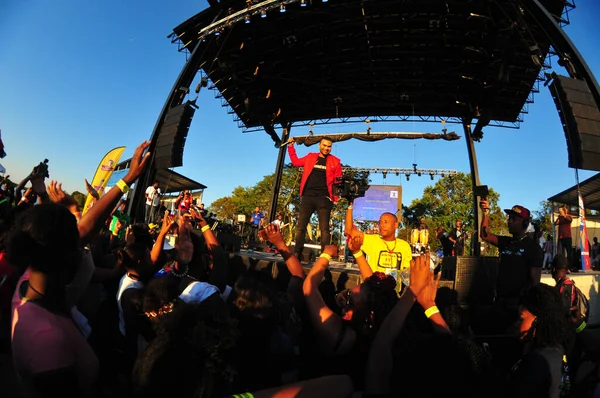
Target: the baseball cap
(519, 211)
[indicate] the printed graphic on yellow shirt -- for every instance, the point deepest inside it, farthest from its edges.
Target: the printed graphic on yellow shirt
(389, 263)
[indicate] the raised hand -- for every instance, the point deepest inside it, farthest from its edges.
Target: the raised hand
(60, 197)
(484, 204)
(427, 296)
(272, 233)
(332, 250)
(355, 242)
(420, 274)
(138, 163)
(91, 190)
(168, 222)
(37, 184)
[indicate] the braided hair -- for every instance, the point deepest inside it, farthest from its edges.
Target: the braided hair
(552, 326)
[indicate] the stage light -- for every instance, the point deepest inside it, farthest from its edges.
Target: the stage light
(431, 175)
(263, 13)
(303, 3)
(247, 18)
(419, 174)
(217, 33)
(397, 174)
(324, 1)
(384, 174)
(407, 176)
(282, 8)
(443, 175)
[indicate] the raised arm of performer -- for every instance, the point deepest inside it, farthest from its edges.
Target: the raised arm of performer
(484, 231)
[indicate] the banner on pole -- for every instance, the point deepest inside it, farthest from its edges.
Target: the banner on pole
(103, 173)
(583, 239)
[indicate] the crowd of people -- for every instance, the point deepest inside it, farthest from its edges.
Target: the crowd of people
(99, 305)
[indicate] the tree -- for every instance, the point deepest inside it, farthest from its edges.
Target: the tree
(448, 200)
(543, 216)
(79, 198)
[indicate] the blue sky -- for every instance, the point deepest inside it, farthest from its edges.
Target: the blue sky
(78, 78)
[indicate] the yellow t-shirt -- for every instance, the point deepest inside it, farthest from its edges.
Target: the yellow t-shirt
(379, 256)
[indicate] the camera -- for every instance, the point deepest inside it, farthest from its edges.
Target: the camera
(350, 188)
(42, 169)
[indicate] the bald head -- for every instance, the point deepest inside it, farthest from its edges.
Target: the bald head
(388, 223)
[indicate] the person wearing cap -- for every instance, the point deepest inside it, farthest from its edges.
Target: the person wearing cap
(521, 258)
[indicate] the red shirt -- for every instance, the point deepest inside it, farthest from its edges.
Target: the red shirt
(332, 172)
(564, 226)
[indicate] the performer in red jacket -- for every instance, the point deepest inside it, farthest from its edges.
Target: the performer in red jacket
(316, 189)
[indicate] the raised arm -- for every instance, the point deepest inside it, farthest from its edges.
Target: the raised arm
(92, 219)
(354, 244)
(272, 233)
(484, 231)
(381, 361)
(349, 223)
(157, 249)
(298, 162)
(327, 324)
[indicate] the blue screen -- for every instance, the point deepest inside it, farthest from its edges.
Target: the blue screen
(379, 199)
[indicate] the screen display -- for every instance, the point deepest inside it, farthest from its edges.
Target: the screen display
(379, 199)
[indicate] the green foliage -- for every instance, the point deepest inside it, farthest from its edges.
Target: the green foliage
(79, 198)
(543, 216)
(448, 200)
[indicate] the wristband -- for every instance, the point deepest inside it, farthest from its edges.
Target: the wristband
(581, 327)
(325, 255)
(357, 255)
(429, 312)
(122, 185)
(205, 228)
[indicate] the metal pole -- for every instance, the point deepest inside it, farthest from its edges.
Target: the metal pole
(474, 182)
(279, 172)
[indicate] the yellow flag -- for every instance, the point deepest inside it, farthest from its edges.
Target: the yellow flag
(103, 173)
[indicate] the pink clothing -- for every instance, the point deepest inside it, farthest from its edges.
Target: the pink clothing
(43, 341)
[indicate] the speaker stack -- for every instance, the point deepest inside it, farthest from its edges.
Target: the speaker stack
(171, 139)
(580, 118)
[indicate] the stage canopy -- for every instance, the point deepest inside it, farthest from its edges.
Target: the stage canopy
(590, 191)
(169, 181)
(378, 60)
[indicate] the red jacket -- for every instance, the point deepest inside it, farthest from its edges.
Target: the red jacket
(333, 168)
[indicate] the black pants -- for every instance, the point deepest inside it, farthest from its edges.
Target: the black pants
(308, 205)
(566, 247)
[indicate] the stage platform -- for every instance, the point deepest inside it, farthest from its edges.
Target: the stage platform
(588, 281)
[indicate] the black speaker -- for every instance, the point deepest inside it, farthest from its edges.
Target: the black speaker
(171, 139)
(580, 118)
(474, 278)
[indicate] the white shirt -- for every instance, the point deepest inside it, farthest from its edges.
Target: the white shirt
(126, 283)
(151, 195)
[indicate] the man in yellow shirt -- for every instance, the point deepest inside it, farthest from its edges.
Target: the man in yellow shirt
(385, 253)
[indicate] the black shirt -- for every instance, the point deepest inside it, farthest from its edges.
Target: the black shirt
(516, 260)
(316, 185)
